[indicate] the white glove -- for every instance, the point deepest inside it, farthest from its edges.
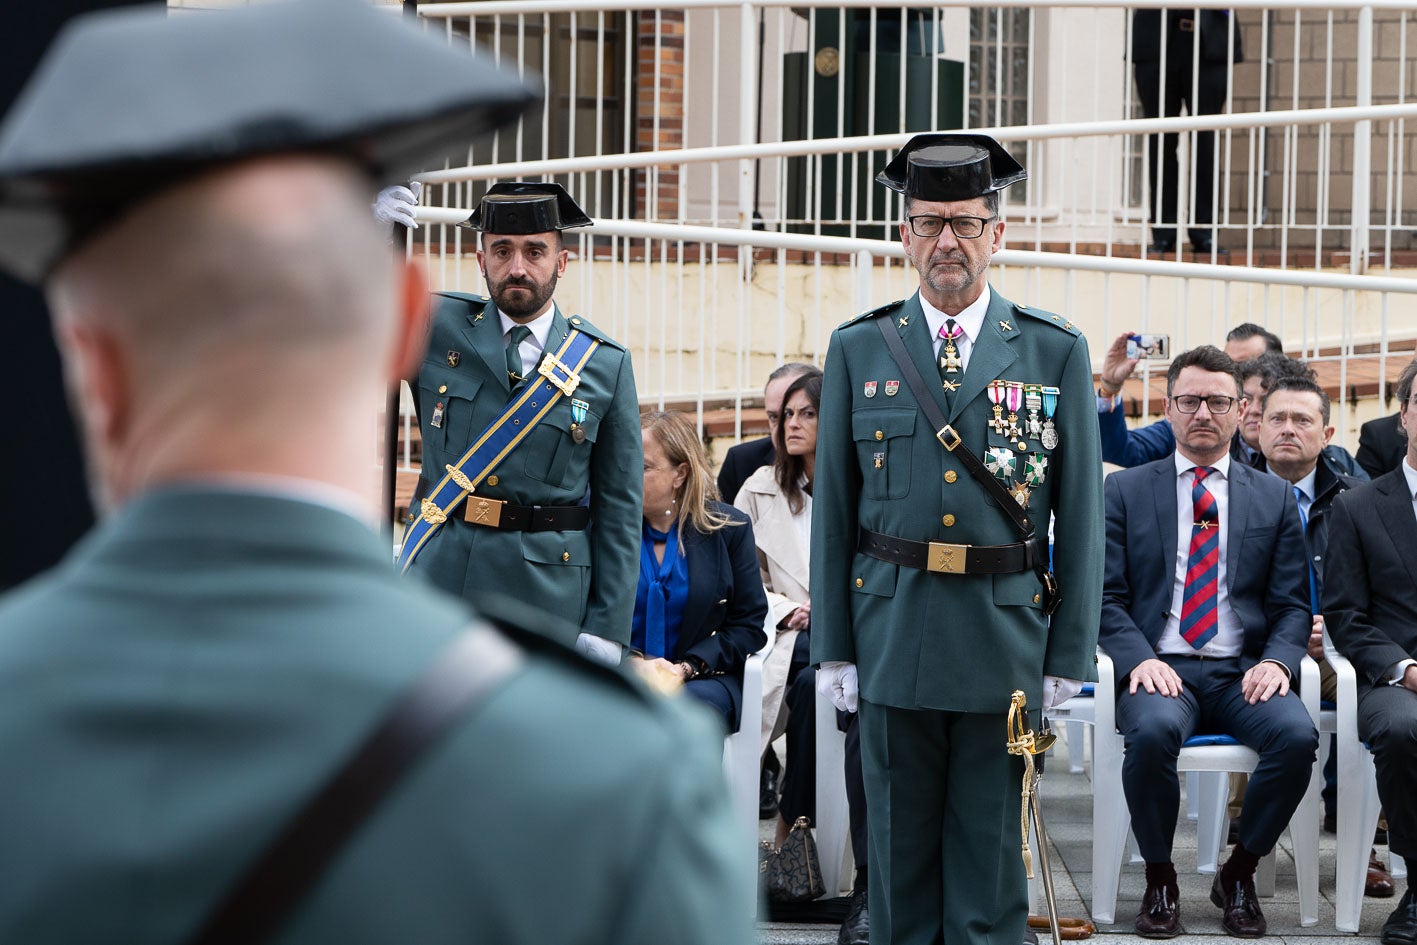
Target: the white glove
(599, 649)
(395, 204)
(837, 681)
(1057, 690)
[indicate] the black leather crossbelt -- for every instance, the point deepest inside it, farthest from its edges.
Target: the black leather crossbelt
(944, 558)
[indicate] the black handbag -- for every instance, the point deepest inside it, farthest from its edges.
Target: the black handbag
(792, 873)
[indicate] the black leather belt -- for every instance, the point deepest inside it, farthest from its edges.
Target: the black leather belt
(944, 558)
(495, 513)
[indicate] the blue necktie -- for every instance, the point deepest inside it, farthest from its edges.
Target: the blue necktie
(1313, 581)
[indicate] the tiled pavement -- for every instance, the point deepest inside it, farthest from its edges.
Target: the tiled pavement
(1068, 807)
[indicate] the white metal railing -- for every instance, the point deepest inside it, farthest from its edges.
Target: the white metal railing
(632, 78)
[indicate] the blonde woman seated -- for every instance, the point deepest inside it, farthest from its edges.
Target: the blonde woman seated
(700, 606)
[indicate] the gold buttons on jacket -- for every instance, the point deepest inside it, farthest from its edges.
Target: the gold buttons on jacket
(951, 475)
(880, 435)
(860, 583)
(492, 480)
(442, 388)
(565, 556)
(948, 520)
(1036, 598)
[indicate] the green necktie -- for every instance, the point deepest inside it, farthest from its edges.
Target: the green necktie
(517, 335)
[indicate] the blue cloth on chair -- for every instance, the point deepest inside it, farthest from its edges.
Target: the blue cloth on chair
(1197, 741)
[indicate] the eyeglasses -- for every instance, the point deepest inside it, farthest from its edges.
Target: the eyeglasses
(930, 226)
(1216, 403)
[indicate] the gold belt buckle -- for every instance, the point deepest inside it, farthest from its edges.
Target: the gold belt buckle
(548, 367)
(480, 511)
(945, 432)
(946, 558)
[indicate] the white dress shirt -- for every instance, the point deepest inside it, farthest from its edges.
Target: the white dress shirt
(532, 347)
(1229, 635)
(971, 320)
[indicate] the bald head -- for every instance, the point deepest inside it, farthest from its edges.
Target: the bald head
(246, 300)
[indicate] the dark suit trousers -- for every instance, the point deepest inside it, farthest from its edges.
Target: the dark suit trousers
(1161, 149)
(1387, 721)
(945, 863)
(1155, 726)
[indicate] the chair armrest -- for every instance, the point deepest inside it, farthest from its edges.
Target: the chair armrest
(1105, 694)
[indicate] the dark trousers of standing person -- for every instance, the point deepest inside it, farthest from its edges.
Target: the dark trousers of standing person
(799, 781)
(1206, 98)
(1155, 726)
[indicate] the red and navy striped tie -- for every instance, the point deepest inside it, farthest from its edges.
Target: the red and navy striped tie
(1198, 616)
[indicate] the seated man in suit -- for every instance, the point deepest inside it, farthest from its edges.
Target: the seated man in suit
(1370, 601)
(1205, 612)
(1381, 445)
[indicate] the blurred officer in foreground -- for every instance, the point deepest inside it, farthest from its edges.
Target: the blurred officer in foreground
(182, 690)
(934, 599)
(532, 456)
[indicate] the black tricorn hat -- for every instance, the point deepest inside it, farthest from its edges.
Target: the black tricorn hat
(944, 167)
(517, 207)
(128, 102)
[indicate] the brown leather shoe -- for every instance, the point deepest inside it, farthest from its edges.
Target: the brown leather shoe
(1241, 915)
(1379, 884)
(1160, 915)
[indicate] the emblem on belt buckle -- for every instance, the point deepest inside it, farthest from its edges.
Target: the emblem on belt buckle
(550, 364)
(484, 511)
(946, 559)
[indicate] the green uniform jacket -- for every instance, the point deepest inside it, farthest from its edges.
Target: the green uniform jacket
(194, 670)
(586, 578)
(952, 641)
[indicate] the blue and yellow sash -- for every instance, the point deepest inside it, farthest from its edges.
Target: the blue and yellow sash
(559, 376)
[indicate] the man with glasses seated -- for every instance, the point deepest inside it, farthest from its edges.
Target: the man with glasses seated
(1206, 613)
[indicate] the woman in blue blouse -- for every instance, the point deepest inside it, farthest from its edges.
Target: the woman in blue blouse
(700, 606)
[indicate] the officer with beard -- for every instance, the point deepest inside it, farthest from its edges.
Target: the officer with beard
(532, 455)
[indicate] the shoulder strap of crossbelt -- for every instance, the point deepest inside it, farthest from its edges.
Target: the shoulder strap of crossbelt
(460, 678)
(559, 374)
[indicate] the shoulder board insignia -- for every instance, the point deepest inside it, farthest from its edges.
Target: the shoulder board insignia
(888, 307)
(1047, 318)
(583, 324)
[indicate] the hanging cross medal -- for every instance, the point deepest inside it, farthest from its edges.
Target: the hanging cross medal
(1033, 400)
(949, 356)
(1035, 468)
(1019, 491)
(1000, 462)
(996, 394)
(1049, 436)
(1013, 395)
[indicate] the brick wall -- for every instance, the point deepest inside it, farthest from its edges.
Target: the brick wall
(659, 107)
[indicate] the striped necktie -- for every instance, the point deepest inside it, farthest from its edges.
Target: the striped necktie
(1313, 580)
(1198, 614)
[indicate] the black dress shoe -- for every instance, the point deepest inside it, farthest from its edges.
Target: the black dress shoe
(856, 930)
(767, 794)
(1160, 915)
(1161, 248)
(1401, 927)
(1240, 906)
(1030, 937)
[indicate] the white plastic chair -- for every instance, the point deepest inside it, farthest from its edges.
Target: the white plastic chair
(1112, 819)
(833, 812)
(1076, 717)
(1358, 803)
(742, 758)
